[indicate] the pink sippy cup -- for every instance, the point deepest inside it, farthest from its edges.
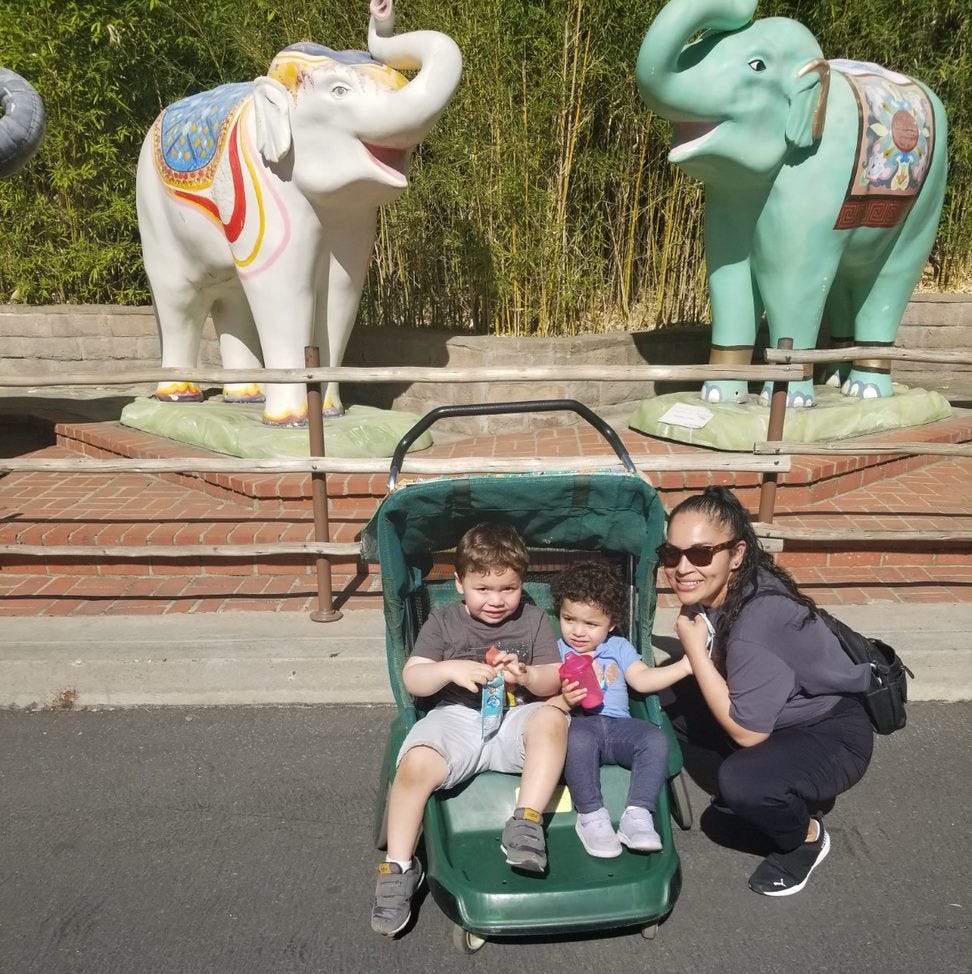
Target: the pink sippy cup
(579, 668)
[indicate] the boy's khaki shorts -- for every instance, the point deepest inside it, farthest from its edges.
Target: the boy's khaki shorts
(455, 732)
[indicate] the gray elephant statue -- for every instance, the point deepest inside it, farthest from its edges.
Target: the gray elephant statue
(824, 183)
(258, 202)
(22, 122)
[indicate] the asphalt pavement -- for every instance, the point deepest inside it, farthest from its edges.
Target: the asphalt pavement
(238, 840)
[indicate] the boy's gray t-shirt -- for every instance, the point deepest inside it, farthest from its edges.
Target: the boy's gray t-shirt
(784, 668)
(452, 633)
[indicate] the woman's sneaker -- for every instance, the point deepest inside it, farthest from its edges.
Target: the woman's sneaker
(393, 897)
(637, 830)
(597, 835)
(785, 873)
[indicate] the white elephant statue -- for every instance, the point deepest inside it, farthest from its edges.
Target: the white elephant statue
(257, 203)
(22, 122)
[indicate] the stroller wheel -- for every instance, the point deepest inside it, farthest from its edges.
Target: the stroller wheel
(466, 941)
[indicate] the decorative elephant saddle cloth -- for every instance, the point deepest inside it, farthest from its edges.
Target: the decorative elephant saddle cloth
(895, 146)
(294, 64)
(189, 135)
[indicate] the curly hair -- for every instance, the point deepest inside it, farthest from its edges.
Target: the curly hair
(592, 583)
(491, 546)
(720, 505)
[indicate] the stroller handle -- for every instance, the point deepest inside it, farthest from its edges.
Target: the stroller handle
(493, 409)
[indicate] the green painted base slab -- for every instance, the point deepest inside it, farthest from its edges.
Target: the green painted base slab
(237, 430)
(737, 426)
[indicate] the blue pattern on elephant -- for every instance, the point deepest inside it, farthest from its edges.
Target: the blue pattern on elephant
(191, 130)
(804, 218)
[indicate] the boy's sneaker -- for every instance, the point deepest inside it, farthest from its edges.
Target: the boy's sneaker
(393, 896)
(524, 843)
(784, 873)
(597, 835)
(637, 830)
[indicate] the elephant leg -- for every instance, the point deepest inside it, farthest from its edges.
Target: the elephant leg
(735, 298)
(283, 312)
(239, 344)
(881, 307)
(794, 310)
(180, 317)
(348, 268)
(838, 322)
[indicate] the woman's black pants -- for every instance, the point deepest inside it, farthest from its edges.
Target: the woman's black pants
(777, 785)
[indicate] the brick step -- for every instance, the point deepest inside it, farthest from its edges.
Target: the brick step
(812, 478)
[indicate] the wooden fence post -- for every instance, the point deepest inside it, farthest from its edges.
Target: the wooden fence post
(315, 428)
(774, 431)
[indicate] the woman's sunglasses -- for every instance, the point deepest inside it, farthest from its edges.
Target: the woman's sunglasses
(699, 555)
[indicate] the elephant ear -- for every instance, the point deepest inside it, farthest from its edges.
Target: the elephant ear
(271, 112)
(808, 103)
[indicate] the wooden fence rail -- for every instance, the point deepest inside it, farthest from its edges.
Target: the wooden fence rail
(579, 373)
(810, 356)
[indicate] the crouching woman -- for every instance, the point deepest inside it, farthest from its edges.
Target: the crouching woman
(775, 680)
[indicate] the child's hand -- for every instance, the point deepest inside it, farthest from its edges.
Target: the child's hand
(573, 692)
(470, 674)
(508, 664)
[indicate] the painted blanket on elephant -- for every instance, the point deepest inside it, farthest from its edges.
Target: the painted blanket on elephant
(295, 65)
(895, 146)
(190, 133)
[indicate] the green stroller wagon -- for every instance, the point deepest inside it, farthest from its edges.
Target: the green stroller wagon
(561, 517)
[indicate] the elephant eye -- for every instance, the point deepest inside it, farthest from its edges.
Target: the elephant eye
(757, 64)
(339, 90)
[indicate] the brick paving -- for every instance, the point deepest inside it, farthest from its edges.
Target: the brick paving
(137, 509)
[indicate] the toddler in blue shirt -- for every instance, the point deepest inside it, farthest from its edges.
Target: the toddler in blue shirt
(590, 600)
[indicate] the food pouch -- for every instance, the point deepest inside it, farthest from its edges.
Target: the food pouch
(492, 705)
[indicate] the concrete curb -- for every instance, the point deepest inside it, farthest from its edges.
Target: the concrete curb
(285, 659)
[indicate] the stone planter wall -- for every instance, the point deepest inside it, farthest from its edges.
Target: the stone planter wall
(54, 340)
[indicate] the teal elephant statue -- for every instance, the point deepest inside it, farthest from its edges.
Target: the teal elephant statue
(824, 183)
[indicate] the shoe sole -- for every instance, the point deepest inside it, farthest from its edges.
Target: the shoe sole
(597, 854)
(404, 923)
(643, 847)
(824, 849)
(526, 865)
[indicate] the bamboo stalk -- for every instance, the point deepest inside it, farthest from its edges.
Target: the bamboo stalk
(863, 449)
(743, 462)
(567, 373)
(810, 355)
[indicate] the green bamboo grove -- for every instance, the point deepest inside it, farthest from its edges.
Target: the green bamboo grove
(541, 204)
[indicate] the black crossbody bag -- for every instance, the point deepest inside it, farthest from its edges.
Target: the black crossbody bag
(885, 699)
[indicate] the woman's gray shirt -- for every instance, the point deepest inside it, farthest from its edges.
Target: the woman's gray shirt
(782, 666)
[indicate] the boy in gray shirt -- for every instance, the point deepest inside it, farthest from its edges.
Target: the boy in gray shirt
(448, 672)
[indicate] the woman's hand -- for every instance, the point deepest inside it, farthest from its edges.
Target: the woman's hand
(693, 634)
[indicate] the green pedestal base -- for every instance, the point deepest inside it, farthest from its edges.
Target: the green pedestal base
(737, 426)
(237, 430)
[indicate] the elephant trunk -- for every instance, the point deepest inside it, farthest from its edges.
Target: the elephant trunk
(660, 58)
(416, 107)
(22, 124)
